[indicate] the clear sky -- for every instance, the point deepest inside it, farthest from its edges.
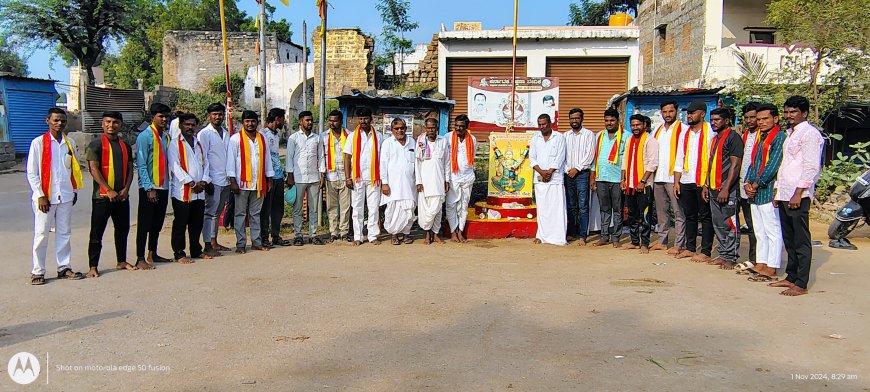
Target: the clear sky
(430, 14)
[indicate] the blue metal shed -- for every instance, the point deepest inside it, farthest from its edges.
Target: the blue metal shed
(23, 104)
(647, 103)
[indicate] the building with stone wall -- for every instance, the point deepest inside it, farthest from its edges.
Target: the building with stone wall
(349, 63)
(193, 58)
(426, 71)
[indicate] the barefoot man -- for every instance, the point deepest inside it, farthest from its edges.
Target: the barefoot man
(214, 139)
(668, 138)
(547, 158)
(638, 166)
(690, 173)
(721, 187)
(189, 179)
(462, 148)
(397, 183)
(801, 164)
(110, 161)
(432, 171)
(606, 176)
(759, 184)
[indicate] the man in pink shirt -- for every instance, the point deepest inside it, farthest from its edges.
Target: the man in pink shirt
(798, 173)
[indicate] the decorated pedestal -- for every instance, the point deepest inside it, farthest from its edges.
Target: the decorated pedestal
(508, 210)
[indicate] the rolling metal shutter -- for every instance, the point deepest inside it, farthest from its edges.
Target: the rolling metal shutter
(26, 113)
(460, 69)
(588, 83)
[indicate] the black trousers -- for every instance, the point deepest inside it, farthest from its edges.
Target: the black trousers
(273, 211)
(796, 238)
(188, 218)
(697, 211)
(638, 204)
(150, 220)
(101, 211)
(747, 214)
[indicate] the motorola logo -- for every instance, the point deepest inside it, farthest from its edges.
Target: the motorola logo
(23, 368)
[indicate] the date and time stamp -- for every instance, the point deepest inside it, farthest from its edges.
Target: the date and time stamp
(824, 377)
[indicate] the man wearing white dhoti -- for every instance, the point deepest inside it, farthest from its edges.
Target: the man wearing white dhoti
(432, 171)
(547, 158)
(462, 146)
(397, 183)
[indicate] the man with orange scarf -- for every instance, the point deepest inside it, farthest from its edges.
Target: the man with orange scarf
(638, 166)
(462, 146)
(726, 154)
(362, 170)
(337, 194)
(110, 161)
(249, 167)
(690, 174)
(189, 179)
(606, 175)
(54, 176)
(668, 136)
(152, 161)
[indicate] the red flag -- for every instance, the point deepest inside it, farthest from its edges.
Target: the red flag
(321, 6)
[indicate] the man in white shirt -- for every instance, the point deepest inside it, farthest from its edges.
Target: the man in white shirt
(54, 178)
(214, 139)
(362, 176)
(432, 172)
(580, 154)
(305, 168)
(337, 194)
(690, 174)
(397, 183)
(189, 179)
(463, 146)
(248, 168)
(668, 137)
(547, 158)
(750, 139)
(273, 203)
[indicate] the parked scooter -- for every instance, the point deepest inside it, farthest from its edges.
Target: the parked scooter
(850, 216)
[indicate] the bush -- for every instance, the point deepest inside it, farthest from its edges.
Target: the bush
(218, 86)
(196, 103)
(839, 175)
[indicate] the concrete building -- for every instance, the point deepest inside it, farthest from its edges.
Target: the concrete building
(409, 62)
(692, 43)
(283, 86)
(593, 64)
(349, 55)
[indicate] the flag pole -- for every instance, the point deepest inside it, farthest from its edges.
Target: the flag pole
(262, 17)
(514, 67)
(323, 64)
(304, 65)
(227, 67)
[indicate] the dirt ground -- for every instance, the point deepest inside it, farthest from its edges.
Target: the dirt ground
(484, 316)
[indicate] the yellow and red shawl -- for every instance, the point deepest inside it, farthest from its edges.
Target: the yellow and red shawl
(675, 141)
(715, 177)
(45, 166)
(246, 166)
(702, 166)
(107, 164)
(375, 159)
(331, 156)
(469, 151)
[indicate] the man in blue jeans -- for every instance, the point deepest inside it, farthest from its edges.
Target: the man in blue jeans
(580, 144)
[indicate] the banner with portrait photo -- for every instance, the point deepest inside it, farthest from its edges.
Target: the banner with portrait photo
(489, 101)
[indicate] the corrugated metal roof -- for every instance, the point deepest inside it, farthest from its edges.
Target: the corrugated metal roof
(363, 96)
(635, 92)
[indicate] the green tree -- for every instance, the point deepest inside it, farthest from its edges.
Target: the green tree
(10, 61)
(281, 28)
(587, 13)
(397, 22)
(82, 27)
(837, 31)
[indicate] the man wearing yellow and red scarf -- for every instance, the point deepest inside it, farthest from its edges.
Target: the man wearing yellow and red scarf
(54, 176)
(362, 169)
(337, 194)
(110, 161)
(690, 174)
(190, 176)
(721, 189)
(249, 167)
(638, 166)
(606, 176)
(152, 162)
(668, 137)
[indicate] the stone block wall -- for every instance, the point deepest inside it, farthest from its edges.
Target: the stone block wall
(679, 56)
(7, 155)
(427, 71)
(348, 61)
(193, 58)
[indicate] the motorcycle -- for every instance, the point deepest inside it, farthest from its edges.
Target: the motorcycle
(850, 216)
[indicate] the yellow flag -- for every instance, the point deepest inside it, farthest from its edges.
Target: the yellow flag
(286, 3)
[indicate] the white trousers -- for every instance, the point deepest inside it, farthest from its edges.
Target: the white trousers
(429, 211)
(768, 234)
(365, 194)
(399, 217)
(58, 216)
(458, 197)
(552, 213)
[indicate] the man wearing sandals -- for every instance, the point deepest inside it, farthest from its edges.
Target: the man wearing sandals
(214, 139)
(432, 172)
(54, 176)
(249, 168)
(306, 166)
(397, 183)
(362, 175)
(759, 185)
(721, 187)
(110, 161)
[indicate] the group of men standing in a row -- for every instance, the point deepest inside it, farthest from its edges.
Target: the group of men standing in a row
(695, 174)
(201, 171)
